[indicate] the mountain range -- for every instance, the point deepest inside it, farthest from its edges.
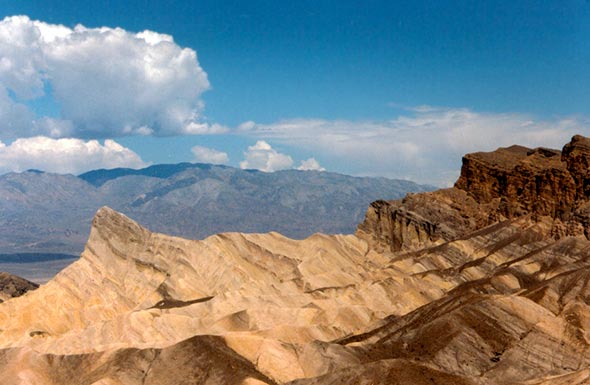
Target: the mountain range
(51, 213)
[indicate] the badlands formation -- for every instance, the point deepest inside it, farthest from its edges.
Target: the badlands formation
(483, 283)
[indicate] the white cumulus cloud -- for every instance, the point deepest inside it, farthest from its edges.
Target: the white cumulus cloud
(65, 155)
(107, 82)
(310, 164)
(209, 155)
(263, 157)
(426, 145)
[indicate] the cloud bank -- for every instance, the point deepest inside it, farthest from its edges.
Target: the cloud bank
(426, 145)
(106, 82)
(65, 155)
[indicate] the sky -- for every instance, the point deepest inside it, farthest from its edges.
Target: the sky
(376, 88)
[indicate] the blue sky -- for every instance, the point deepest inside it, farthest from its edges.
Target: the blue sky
(390, 88)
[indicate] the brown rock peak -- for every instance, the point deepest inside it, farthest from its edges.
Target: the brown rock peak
(541, 184)
(576, 155)
(537, 181)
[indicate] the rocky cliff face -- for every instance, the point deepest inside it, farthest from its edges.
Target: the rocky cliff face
(468, 285)
(494, 186)
(540, 181)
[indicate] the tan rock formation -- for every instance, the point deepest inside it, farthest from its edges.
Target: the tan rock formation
(483, 283)
(271, 298)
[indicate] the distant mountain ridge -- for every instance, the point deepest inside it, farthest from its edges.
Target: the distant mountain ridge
(101, 176)
(42, 212)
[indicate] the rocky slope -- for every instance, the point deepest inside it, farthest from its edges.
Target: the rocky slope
(12, 286)
(483, 283)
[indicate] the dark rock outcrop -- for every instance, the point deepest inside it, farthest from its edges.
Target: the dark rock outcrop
(12, 286)
(420, 220)
(543, 184)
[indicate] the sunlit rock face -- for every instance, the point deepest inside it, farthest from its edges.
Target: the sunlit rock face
(482, 283)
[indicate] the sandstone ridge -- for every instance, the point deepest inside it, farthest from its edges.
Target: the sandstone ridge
(272, 300)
